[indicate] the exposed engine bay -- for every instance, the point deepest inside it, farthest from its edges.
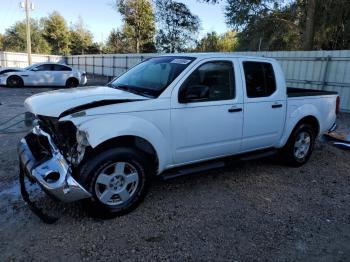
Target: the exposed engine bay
(71, 142)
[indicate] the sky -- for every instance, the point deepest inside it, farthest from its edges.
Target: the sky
(99, 16)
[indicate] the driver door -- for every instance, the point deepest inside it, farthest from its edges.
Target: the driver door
(41, 75)
(208, 125)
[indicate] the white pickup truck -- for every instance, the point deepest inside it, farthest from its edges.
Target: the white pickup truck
(168, 116)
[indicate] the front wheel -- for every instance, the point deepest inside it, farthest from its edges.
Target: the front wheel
(299, 146)
(14, 81)
(117, 179)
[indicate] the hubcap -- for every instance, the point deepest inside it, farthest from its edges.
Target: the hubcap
(117, 183)
(302, 145)
(14, 82)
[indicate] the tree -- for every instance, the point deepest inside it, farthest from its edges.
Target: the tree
(289, 25)
(177, 26)
(228, 42)
(309, 25)
(81, 39)
(15, 38)
(332, 25)
(1, 42)
(209, 43)
(213, 42)
(139, 25)
(117, 43)
(56, 33)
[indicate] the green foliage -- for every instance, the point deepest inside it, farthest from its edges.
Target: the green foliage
(81, 39)
(117, 43)
(56, 33)
(1, 42)
(178, 27)
(15, 38)
(332, 25)
(213, 42)
(281, 25)
(139, 25)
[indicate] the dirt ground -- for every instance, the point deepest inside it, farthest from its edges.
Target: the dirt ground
(250, 211)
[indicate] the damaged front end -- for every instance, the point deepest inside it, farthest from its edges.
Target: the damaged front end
(49, 154)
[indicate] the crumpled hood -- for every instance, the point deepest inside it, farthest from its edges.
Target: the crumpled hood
(55, 103)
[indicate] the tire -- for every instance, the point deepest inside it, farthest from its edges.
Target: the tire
(118, 180)
(14, 81)
(299, 146)
(72, 82)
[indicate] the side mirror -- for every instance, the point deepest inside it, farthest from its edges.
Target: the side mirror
(35, 69)
(194, 93)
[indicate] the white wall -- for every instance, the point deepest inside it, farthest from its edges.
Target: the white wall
(11, 59)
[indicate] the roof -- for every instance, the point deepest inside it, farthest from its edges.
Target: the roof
(48, 63)
(218, 55)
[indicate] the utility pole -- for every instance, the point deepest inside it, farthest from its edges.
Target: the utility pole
(27, 7)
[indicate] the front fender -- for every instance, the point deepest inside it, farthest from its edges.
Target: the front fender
(103, 128)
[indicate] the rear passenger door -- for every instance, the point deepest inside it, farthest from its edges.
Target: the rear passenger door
(264, 106)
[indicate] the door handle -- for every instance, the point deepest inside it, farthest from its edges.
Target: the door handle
(276, 106)
(235, 109)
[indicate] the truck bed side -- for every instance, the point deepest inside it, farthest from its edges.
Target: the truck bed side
(298, 92)
(316, 104)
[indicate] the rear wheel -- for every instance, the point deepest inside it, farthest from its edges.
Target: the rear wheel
(300, 145)
(72, 82)
(117, 179)
(14, 81)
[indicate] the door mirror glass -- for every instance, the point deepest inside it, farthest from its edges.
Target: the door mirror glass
(194, 93)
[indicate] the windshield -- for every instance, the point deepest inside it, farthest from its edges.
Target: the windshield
(153, 76)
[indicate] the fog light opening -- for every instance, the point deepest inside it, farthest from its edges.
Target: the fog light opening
(52, 177)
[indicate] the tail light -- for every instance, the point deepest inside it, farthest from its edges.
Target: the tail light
(337, 105)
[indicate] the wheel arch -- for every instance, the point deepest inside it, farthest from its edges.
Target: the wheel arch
(72, 78)
(132, 141)
(133, 131)
(14, 75)
(312, 120)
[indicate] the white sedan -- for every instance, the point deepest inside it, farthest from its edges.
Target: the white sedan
(43, 74)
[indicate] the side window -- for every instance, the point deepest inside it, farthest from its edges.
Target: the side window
(259, 78)
(62, 68)
(218, 76)
(44, 67)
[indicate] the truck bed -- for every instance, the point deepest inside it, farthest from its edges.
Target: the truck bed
(297, 92)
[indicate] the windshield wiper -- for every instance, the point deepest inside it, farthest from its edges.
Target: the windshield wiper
(133, 89)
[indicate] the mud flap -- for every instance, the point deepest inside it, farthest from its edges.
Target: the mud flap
(36, 210)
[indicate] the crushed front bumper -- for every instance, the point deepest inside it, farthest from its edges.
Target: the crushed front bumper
(52, 173)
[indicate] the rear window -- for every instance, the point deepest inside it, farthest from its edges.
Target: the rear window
(259, 78)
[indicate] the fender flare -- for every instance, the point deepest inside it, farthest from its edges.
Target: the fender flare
(295, 116)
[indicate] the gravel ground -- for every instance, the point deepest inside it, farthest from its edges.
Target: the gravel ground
(250, 211)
